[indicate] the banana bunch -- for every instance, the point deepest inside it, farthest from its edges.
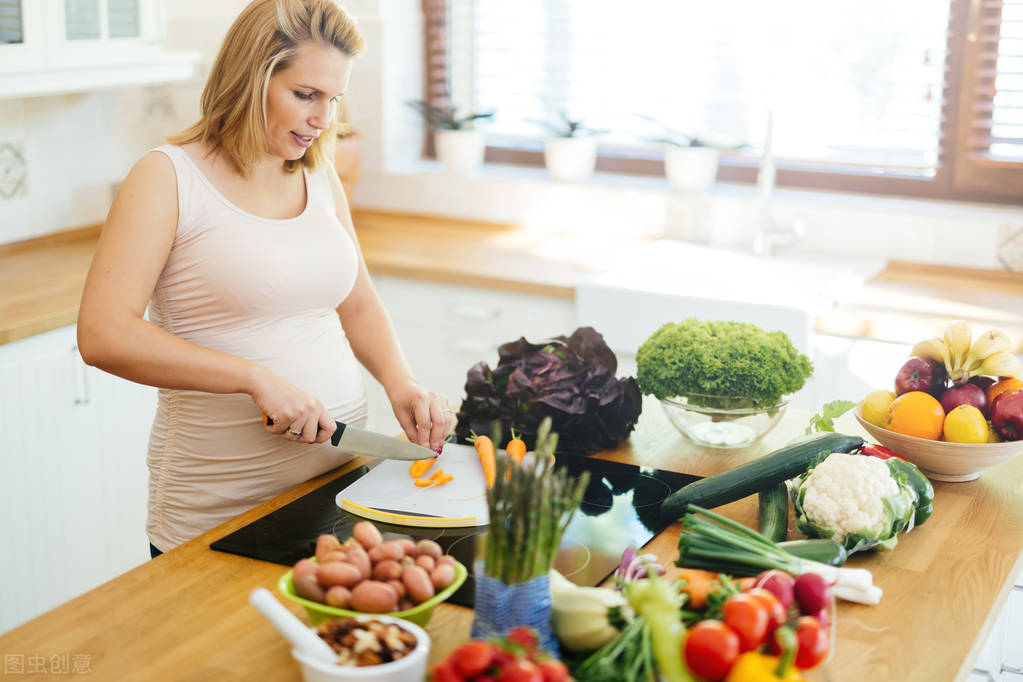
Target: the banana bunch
(963, 357)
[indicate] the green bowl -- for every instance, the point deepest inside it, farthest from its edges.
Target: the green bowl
(418, 614)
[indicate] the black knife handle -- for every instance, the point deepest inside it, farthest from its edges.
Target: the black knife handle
(335, 438)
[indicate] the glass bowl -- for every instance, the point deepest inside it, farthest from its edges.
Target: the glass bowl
(721, 421)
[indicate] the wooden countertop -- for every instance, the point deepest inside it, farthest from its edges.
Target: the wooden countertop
(41, 279)
(185, 615)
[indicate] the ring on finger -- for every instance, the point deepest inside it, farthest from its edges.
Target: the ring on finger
(294, 433)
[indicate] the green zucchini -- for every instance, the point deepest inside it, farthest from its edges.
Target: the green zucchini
(757, 474)
(773, 505)
(821, 550)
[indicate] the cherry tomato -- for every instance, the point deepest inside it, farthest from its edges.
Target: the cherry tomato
(711, 648)
(521, 670)
(775, 611)
(553, 671)
(472, 658)
(748, 618)
(523, 636)
(813, 642)
(445, 672)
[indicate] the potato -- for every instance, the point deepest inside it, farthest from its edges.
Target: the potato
(404, 605)
(392, 550)
(308, 587)
(399, 588)
(417, 584)
(445, 559)
(373, 596)
(427, 562)
(367, 534)
(376, 554)
(429, 548)
(442, 576)
(358, 557)
(407, 561)
(388, 569)
(408, 545)
(306, 566)
(325, 544)
(339, 573)
(338, 555)
(338, 597)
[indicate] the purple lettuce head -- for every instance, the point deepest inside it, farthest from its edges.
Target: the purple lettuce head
(570, 379)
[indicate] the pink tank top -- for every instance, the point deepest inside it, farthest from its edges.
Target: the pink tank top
(265, 290)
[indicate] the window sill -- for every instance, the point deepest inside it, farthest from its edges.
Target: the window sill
(159, 68)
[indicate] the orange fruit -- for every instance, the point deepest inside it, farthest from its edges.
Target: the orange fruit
(999, 387)
(916, 414)
(965, 424)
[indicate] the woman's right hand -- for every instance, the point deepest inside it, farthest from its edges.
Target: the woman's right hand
(296, 415)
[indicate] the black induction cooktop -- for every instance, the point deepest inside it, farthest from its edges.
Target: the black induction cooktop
(621, 507)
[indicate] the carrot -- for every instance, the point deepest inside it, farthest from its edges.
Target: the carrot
(420, 467)
(442, 480)
(423, 482)
(437, 474)
(488, 459)
(516, 448)
(699, 584)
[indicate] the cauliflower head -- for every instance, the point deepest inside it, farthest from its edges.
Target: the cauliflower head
(855, 500)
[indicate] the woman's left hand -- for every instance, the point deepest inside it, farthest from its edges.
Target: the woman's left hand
(424, 415)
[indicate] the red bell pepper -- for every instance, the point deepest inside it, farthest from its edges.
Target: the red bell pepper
(878, 451)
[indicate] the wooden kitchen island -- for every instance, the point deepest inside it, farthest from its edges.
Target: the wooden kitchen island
(185, 615)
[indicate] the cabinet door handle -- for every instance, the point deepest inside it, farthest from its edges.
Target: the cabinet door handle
(473, 312)
(81, 377)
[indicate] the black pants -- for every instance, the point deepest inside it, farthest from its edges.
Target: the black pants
(153, 551)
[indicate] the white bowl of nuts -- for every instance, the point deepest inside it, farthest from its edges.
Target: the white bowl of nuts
(379, 648)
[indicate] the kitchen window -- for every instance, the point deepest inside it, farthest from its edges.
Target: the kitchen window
(917, 98)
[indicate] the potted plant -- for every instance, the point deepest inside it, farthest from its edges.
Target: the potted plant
(571, 154)
(690, 161)
(458, 144)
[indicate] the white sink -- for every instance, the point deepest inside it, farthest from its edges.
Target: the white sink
(667, 281)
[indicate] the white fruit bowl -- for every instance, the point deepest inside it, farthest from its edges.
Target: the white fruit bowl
(940, 460)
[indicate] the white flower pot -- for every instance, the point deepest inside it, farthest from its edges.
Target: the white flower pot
(691, 169)
(460, 151)
(570, 159)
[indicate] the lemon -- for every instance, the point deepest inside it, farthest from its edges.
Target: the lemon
(965, 424)
(875, 405)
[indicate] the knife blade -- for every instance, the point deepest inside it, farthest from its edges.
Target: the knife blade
(353, 440)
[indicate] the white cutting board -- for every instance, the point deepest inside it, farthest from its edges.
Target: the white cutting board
(388, 493)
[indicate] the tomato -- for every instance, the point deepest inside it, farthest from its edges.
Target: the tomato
(553, 670)
(472, 658)
(775, 611)
(523, 636)
(711, 648)
(813, 642)
(445, 672)
(520, 670)
(748, 618)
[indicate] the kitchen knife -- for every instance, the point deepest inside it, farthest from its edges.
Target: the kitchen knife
(352, 439)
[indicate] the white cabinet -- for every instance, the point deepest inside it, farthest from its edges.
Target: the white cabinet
(444, 330)
(58, 46)
(72, 474)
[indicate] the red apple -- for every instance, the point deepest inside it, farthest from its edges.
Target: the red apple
(983, 382)
(1007, 414)
(964, 394)
(920, 374)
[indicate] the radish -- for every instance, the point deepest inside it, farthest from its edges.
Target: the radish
(778, 583)
(812, 593)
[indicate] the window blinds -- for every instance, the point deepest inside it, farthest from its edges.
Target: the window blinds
(10, 22)
(998, 99)
(856, 85)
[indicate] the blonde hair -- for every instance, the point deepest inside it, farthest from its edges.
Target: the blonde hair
(263, 40)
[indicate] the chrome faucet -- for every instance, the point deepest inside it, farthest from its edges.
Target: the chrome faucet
(768, 235)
